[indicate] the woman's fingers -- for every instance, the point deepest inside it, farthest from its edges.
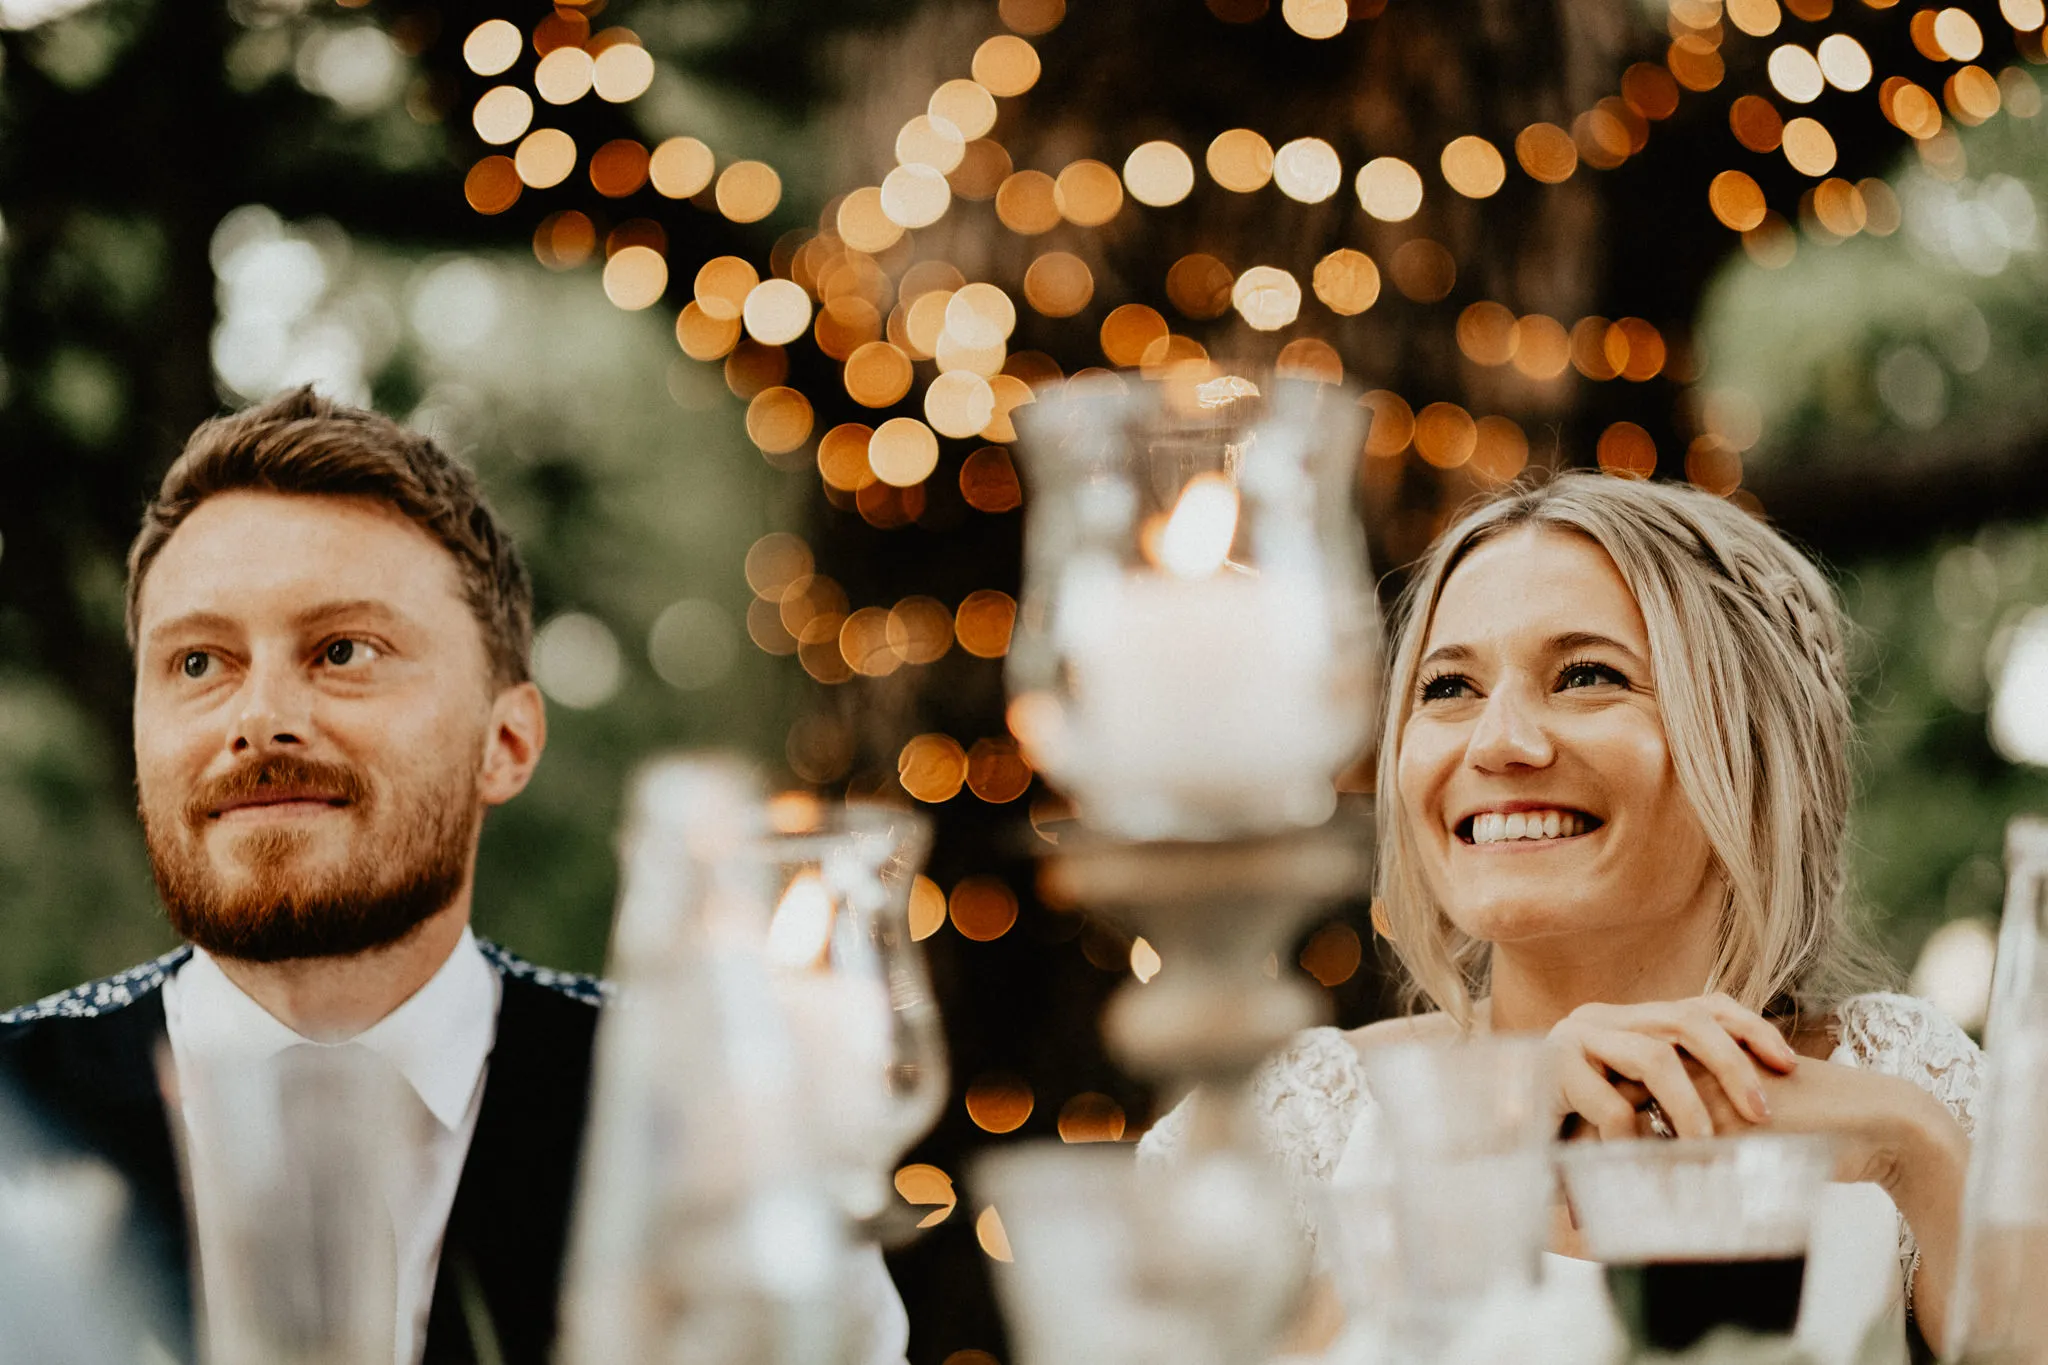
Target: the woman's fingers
(1727, 1118)
(1589, 1094)
(1754, 1031)
(1658, 1066)
(1697, 1059)
(1710, 1044)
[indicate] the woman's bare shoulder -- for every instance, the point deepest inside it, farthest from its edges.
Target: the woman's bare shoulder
(1407, 1028)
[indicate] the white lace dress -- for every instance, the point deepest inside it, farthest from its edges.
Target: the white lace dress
(1312, 1095)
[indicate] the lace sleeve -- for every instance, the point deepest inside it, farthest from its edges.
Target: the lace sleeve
(1306, 1096)
(1899, 1035)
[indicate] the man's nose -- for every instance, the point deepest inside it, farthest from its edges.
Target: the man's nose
(275, 709)
(1510, 733)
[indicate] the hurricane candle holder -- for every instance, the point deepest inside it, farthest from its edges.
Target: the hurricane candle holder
(1194, 663)
(1197, 638)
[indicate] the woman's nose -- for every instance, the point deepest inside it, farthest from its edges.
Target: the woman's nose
(1509, 734)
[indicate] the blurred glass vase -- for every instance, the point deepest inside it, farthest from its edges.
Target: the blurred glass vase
(290, 1159)
(1999, 1312)
(1196, 643)
(853, 988)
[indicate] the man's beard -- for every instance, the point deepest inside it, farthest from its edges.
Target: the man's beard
(407, 865)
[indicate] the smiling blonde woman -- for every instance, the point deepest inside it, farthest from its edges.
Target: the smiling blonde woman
(1612, 801)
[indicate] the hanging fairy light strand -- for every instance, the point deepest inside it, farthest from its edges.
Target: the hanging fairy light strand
(879, 324)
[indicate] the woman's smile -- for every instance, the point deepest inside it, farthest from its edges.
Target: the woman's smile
(1517, 826)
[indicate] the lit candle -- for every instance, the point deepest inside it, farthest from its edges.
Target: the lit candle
(1204, 697)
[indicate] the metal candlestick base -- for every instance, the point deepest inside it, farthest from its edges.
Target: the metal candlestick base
(1202, 1261)
(1216, 912)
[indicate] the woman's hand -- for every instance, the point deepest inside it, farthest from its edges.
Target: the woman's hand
(1601, 1049)
(1887, 1130)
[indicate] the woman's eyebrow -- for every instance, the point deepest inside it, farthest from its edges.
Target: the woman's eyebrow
(1585, 639)
(1454, 654)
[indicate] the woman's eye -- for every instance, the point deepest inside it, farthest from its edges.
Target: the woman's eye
(195, 663)
(1589, 675)
(341, 653)
(1447, 686)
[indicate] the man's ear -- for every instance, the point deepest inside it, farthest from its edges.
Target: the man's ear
(518, 732)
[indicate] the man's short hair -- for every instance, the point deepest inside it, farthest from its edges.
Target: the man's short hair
(301, 443)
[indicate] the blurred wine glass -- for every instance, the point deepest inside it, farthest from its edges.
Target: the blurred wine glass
(704, 1228)
(853, 986)
(1122, 1264)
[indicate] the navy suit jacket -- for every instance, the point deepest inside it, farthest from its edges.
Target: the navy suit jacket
(85, 1063)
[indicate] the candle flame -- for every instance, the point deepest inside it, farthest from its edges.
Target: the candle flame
(1197, 537)
(802, 927)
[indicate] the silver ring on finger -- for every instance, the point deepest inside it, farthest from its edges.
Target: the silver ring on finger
(1660, 1122)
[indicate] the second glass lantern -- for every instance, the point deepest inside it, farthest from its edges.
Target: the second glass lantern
(1198, 635)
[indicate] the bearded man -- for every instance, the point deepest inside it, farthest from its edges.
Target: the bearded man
(331, 636)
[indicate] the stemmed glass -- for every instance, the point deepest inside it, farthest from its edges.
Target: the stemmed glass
(1196, 646)
(68, 1294)
(288, 1160)
(852, 984)
(1122, 1264)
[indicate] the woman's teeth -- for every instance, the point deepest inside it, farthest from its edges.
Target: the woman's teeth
(1493, 827)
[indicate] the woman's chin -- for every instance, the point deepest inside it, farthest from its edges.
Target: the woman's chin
(1526, 918)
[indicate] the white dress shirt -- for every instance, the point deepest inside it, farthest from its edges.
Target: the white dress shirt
(438, 1040)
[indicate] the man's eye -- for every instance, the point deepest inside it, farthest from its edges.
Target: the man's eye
(195, 663)
(341, 653)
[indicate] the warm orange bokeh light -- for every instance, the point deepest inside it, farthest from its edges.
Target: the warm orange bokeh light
(1547, 153)
(999, 1102)
(932, 768)
(988, 481)
(1391, 425)
(1128, 330)
(618, 168)
(1199, 285)
(492, 185)
(1240, 160)
(1626, 450)
(748, 191)
(984, 621)
(1027, 203)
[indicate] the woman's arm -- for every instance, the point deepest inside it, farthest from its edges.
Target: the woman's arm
(1927, 1185)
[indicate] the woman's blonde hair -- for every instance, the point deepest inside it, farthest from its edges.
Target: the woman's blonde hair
(1747, 657)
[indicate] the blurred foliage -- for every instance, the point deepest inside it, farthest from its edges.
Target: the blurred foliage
(1927, 834)
(1921, 346)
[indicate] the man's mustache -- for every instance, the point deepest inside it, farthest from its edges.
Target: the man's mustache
(277, 777)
